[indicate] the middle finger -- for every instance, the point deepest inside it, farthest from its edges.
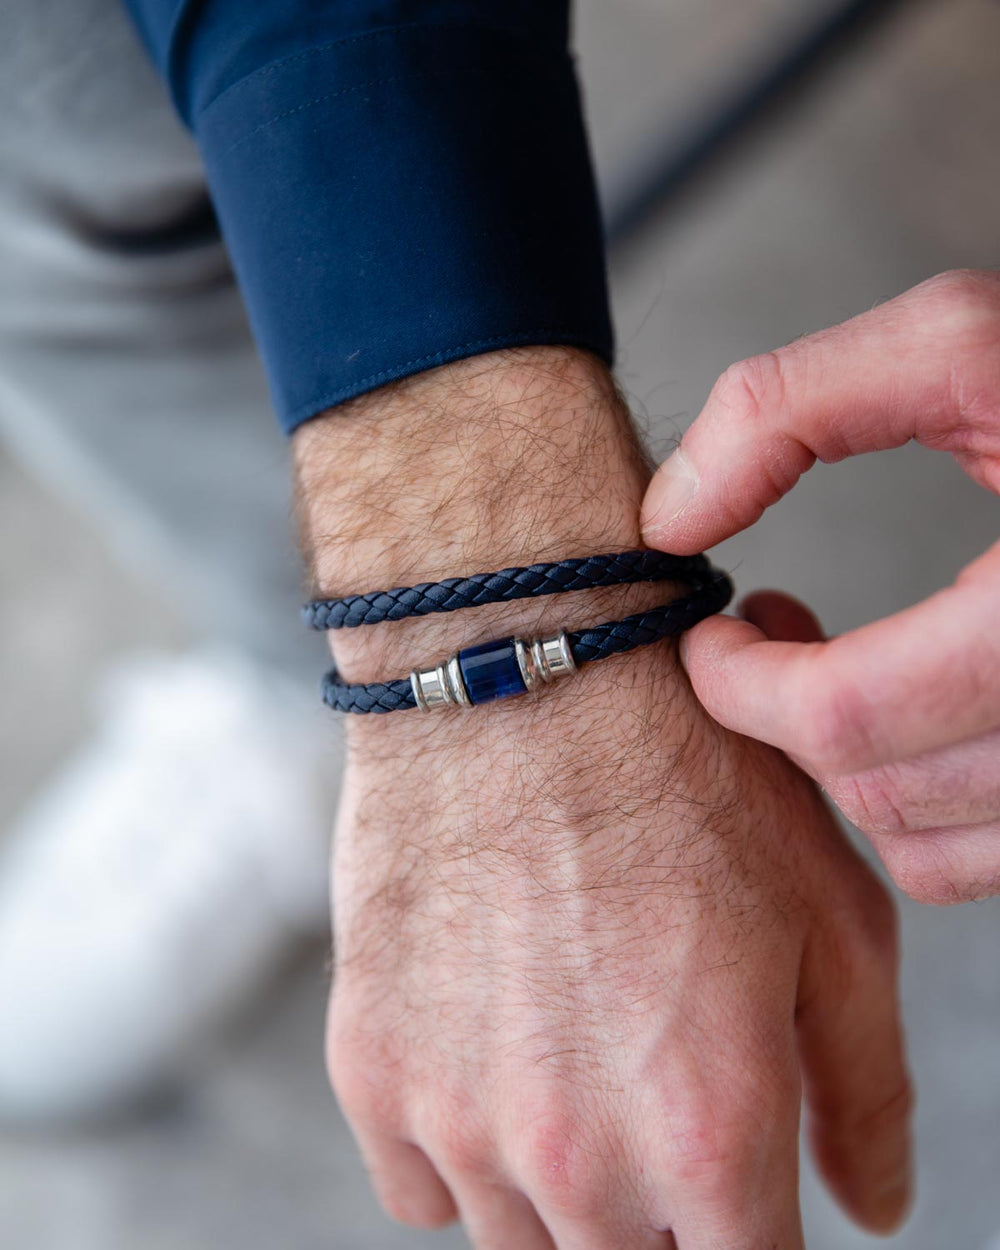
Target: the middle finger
(956, 785)
(497, 1217)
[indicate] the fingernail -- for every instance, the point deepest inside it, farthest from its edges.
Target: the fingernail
(900, 1182)
(893, 1197)
(675, 484)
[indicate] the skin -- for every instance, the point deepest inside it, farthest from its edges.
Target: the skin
(590, 946)
(905, 737)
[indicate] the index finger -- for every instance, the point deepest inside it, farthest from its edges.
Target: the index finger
(927, 677)
(923, 366)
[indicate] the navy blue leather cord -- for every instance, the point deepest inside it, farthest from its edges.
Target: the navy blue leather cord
(710, 595)
(615, 569)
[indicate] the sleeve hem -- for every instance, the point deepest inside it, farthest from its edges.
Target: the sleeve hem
(319, 404)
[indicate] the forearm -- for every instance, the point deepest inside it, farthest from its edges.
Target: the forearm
(508, 458)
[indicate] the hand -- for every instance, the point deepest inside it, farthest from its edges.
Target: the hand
(900, 720)
(586, 942)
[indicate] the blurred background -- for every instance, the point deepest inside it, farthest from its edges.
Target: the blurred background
(884, 171)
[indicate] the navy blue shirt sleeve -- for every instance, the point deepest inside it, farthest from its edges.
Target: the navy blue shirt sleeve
(400, 183)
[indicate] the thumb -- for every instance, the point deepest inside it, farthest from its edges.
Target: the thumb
(903, 371)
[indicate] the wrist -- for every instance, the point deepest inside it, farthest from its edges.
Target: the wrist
(507, 459)
(501, 459)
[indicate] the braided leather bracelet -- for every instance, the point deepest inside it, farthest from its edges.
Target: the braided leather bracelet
(512, 666)
(585, 573)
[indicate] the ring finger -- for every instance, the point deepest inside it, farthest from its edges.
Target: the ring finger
(499, 1217)
(604, 1235)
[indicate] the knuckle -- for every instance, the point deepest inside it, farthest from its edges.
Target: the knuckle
(460, 1142)
(360, 1093)
(565, 1170)
(962, 300)
(963, 306)
(716, 1169)
(835, 726)
(719, 1156)
(751, 388)
(363, 1084)
(874, 801)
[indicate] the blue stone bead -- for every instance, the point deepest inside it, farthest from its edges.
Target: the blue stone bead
(491, 671)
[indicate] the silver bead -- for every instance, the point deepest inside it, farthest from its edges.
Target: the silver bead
(552, 657)
(440, 686)
(545, 659)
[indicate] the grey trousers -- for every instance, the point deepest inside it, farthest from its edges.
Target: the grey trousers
(127, 375)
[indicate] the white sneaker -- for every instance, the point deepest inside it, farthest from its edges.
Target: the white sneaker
(159, 879)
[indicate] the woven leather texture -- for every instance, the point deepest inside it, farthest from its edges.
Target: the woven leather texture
(379, 696)
(642, 628)
(613, 637)
(616, 569)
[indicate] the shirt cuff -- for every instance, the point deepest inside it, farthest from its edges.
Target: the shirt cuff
(402, 198)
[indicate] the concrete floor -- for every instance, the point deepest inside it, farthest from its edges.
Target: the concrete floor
(886, 175)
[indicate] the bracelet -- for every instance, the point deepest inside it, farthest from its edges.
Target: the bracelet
(616, 569)
(512, 666)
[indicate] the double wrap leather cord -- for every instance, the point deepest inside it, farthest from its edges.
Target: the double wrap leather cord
(460, 680)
